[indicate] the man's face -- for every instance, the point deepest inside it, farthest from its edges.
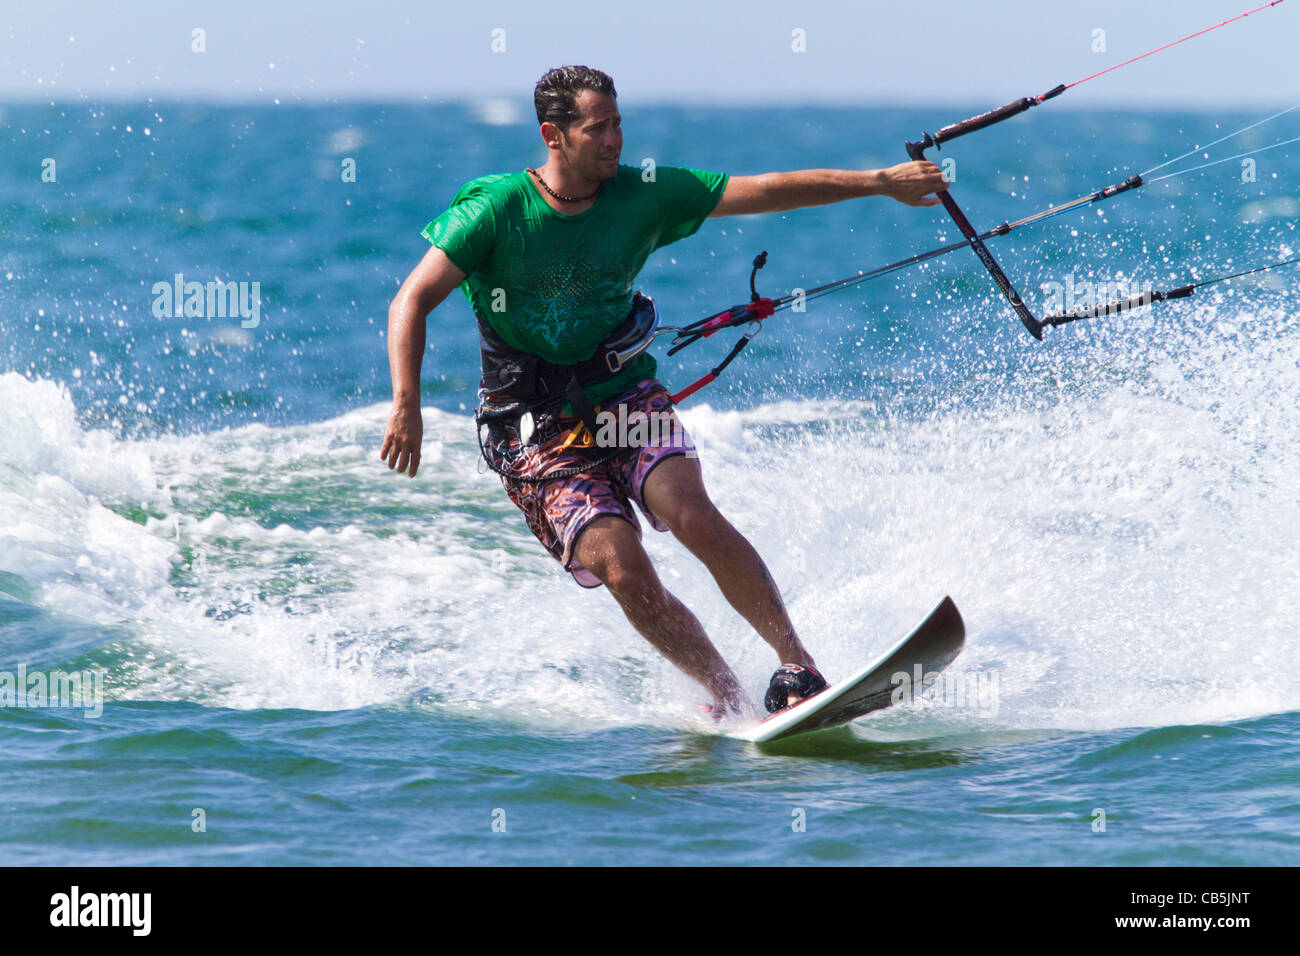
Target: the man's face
(594, 141)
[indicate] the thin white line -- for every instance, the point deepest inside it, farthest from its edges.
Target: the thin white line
(1219, 140)
(1226, 159)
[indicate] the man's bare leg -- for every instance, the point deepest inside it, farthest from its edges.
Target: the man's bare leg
(674, 491)
(610, 549)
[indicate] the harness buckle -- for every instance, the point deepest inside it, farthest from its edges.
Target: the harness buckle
(639, 338)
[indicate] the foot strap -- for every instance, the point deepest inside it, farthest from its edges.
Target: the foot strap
(796, 679)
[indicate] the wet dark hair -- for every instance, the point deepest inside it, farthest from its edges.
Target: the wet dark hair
(556, 95)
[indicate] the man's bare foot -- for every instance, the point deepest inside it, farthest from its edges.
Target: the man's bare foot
(726, 706)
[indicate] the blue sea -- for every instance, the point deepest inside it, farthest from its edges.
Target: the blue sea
(290, 655)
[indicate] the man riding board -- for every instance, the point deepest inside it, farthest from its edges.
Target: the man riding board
(547, 258)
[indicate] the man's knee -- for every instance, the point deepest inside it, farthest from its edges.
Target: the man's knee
(634, 586)
(610, 549)
(696, 522)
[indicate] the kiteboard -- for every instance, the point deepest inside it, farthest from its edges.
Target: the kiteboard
(932, 646)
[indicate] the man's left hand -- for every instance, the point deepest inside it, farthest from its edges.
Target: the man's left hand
(914, 183)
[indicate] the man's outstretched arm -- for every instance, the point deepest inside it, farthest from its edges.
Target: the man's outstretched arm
(424, 289)
(912, 183)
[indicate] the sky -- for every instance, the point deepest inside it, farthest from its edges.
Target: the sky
(704, 51)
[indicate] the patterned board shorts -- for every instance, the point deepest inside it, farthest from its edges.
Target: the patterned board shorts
(558, 510)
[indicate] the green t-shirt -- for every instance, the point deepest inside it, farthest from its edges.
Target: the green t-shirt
(557, 285)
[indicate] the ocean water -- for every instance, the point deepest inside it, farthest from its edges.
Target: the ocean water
(307, 659)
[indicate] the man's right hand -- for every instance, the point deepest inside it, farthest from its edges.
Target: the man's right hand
(402, 438)
(424, 289)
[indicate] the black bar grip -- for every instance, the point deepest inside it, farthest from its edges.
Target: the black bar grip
(1014, 108)
(984, 120)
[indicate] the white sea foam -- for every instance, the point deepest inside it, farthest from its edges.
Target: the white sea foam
(1119, 538)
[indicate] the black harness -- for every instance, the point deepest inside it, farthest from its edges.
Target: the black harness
(521, 394)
